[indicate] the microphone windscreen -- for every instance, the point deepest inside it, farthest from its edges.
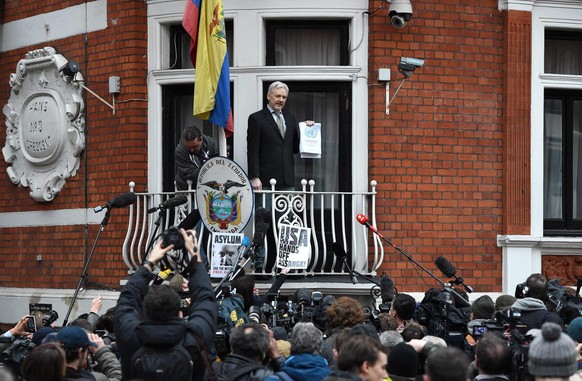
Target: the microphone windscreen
(176, 201)
(246, 241)
(262, 215)
(445, 267)
(387, 290)
(338, 250)
(302, 296)
(261, 228)
(123, 200)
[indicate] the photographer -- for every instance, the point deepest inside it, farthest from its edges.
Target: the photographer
(151, 317)
(18, 330)
(251, 344)
(533, 309)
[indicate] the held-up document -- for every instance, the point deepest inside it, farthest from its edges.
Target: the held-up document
(310, 141)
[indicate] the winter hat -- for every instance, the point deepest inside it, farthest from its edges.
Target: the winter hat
(552, 353)
(483, 307)
(575, 329)
(402, 362)
(504, 301)
(39, 335)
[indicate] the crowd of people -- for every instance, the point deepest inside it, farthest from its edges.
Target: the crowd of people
(169, 332)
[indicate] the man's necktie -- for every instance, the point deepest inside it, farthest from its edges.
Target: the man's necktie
(280, 124)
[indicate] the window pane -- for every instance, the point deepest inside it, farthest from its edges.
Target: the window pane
(576, 161)
(307, 42)
(307, 47)
(181, 46)
(553, 158)
(563, 52)
(325, 110)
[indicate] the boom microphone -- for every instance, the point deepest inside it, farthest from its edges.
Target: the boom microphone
(120, 201)
(170, 203)
(445, 267)
(449, 271)
(364, 221)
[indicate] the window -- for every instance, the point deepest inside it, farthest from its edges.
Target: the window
(562, 137)
(312, 42)
(562, 162)
(327, 103)
(563, 52)
(177, 114)
(180, 46)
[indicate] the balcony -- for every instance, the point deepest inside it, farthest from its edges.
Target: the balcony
(330, 215)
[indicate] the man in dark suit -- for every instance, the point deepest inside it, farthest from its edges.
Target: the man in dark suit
(272, 140)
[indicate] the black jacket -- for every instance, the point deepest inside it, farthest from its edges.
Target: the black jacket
(226, 369)
(269, 155)
(186, 169)
(131, 329)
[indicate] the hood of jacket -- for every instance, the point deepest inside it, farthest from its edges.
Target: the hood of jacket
(529, 304)
(162, 334)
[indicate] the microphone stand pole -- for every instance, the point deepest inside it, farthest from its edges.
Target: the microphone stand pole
(104, 223)
(443, 284)
(154, 232)
(355, 274)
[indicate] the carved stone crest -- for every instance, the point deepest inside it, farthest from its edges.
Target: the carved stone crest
(45, 124)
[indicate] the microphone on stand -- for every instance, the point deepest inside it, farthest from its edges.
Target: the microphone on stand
(121, 201)
(449, 271)
(170, 203)
(341, 254)
(364, 221)
(387, 289)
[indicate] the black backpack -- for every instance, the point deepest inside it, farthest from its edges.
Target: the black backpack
(162, 363)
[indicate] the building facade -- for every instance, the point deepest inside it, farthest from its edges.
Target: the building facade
(476, 155)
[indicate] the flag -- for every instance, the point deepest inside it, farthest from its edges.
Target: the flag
(204, 22)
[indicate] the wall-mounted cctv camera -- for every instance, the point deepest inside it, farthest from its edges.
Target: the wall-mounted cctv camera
(407, 65)
(412, 61)
(400, 12)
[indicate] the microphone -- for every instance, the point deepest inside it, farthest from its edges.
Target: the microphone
(449, 271)
(162, 276)
(120, 201)
(244, 245)
(262, 215)
(445, 267)
(362, 219)
(341, 254)
(387, 289)
(170, 203)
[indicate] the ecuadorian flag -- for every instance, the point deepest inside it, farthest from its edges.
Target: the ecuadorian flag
(204, 22)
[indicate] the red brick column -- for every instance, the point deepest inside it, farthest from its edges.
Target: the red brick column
(517, 123)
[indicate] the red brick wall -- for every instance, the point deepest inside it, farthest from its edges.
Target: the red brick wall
(115, 153)
(438, 156)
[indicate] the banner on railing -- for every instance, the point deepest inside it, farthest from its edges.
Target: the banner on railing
(293, 247)
(224, 253)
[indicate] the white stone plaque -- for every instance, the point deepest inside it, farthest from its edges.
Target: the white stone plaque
(45, 124)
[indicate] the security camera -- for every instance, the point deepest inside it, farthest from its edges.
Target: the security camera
(70, 69)
(407, 65)
(400, 12)
(416, 62)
